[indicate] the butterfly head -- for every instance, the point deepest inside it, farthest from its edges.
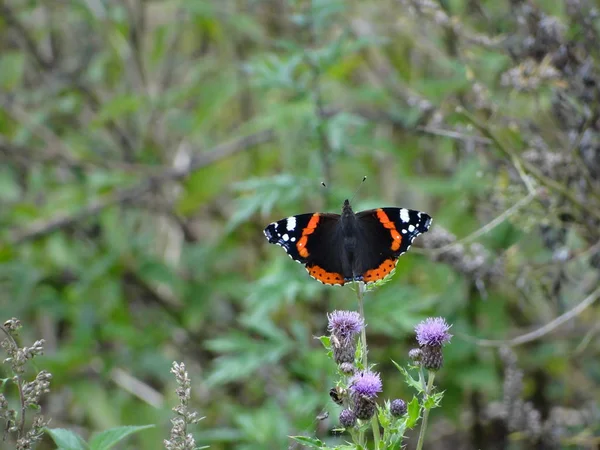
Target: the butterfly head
(347, 209)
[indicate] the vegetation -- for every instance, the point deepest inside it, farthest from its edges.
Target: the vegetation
(144, 146)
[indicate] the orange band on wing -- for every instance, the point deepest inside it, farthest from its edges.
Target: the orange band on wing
(387, 223)
(309, 229)
(380, 272)
(325, 277)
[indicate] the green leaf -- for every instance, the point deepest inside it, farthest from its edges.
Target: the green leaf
(108, 438)
(414, 410)
(433, 401)
(67, 439)
(308, 441)
(243, 355)
(429, 403)
(326, 341)
(262, 194)
(383, 414)
(409, 379)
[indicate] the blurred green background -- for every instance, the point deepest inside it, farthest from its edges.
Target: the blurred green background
(144, 145)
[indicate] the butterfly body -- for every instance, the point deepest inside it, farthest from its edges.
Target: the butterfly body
(339, 248)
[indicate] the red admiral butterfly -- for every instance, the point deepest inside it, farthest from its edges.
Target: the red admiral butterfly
(337, 249)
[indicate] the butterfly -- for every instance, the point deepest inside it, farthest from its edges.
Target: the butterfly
(341, 248)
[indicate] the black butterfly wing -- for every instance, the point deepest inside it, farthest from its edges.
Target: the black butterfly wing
(287, 232)
(385, 234)
(312, 239)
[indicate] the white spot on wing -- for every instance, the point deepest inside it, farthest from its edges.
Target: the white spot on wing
(285, 237)
(291, 223)
(404, 217)
(293, 239)
(403, 230)
(411, 228)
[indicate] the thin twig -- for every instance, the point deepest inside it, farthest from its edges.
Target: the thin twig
(73, 79)
(539, 332)
(45, 227)
(455, 135)
(534, 171)
(573, 256)
(55, 144)
(517, 162)
(27, 155)
(137, 387)
(483, 230)
(28, 42)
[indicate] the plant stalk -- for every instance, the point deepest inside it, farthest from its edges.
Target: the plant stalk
(363, 344)
(426, 412)
(19, 382)
(363, 333)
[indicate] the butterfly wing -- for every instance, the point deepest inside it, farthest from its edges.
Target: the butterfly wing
(378, 251)
(312, 239)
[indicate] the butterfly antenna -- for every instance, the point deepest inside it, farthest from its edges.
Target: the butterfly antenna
(358, 188)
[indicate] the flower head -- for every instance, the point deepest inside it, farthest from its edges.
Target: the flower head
(347, 418)
(345, 324)
(415, 354)
(398, 407)
(347, 368)
(366, 383)
(433, 332)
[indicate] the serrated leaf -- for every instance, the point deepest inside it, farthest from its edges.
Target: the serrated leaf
(433, 401)
(429, 402)
(413, 414)
(383, 415)
(308, 441)
(408, 377)
(67, 439)
(358, 356)
(108, 438)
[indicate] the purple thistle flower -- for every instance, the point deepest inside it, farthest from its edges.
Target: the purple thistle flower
(415, 354)
(366, 383)
(347, 418)
(433, 332)
(345, 324)
(398, 407)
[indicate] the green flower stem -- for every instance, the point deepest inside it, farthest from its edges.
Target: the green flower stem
(361, 437)
(426, 412)
(422, 378)
(363, 333)
(363, 344)
(375, 426)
